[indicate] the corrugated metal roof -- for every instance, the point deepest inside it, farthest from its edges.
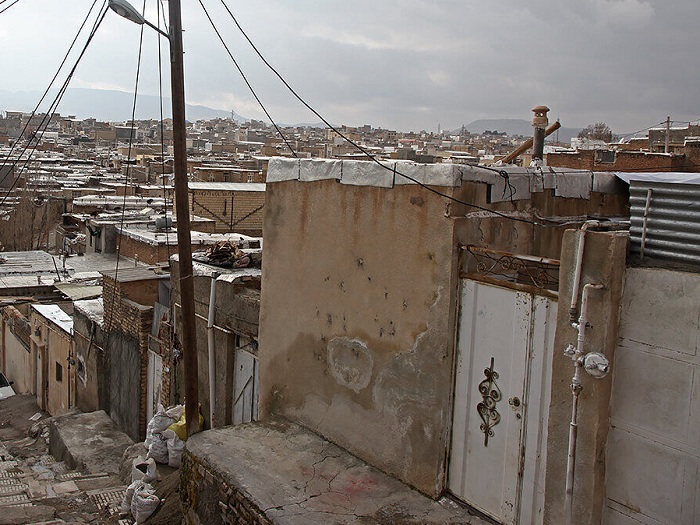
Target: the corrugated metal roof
(78, 292)
(53, 313)
(227, 186)
(126, 275)
(672, 226)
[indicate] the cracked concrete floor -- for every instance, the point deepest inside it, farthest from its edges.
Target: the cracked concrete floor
(295, 477)
(35, 488)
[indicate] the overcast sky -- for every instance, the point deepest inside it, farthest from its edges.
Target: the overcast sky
(401, 64)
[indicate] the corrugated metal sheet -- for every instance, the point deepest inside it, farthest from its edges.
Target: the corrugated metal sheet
(673, 220)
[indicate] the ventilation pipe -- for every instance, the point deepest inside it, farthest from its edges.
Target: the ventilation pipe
(539, 122)
(212, 353)
(527, 145)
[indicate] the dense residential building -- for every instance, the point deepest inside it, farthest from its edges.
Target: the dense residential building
(400, 348)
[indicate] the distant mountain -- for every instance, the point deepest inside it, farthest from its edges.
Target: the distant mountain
(106, 105)
(513, 126)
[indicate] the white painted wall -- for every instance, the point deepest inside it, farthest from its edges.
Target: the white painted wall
(653, 449)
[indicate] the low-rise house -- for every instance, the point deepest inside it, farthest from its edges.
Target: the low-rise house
(153, 246)
(360, 340)
(129, 299)
(52, 346)
(91, 381)
(236, 311)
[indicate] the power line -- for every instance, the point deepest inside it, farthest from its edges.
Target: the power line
(128, 171)
(47, 117)
(6, 8)
(358, 146)
(246, 81)
(36, 108)
(159, 7)
(643, 129)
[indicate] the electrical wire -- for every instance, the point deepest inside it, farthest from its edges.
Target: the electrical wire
(361, 148)
(643, 129)
(279, 131)
(6, 8)
(43, 96)
(159, 7)
(49, 115)
(128, 172)
(46, 118)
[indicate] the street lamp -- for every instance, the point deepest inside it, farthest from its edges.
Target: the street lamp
(126, 10)
(184, 240)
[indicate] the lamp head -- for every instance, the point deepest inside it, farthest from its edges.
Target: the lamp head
(126, 10)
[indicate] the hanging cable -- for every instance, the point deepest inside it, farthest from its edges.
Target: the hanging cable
(43, 96)
(6, 8)
(159, 6)
(128, 169)
(361, 148)
(245, 79)
(47, 117)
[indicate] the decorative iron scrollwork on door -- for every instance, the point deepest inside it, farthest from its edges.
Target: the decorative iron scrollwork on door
(490, 394)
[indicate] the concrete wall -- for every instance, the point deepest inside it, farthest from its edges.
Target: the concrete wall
(128, 326)
(356, 321)
(604, 263)
(18, 359)
(92, 386)
(652, 465)
(236, 314)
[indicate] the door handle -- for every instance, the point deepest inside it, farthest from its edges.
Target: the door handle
(514, 402)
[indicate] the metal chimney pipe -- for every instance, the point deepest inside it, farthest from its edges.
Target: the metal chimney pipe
(539, 122)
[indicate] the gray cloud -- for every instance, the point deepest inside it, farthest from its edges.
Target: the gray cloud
(408, 64)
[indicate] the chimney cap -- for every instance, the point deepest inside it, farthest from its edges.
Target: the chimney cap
(539, 120)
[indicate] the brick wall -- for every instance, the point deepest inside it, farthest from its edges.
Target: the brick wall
(144, 252)
(624, 161)
(127, 322)
(240, 211)
(207, 498)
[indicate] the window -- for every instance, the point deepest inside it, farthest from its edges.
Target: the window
(81, 371)
(59, 372)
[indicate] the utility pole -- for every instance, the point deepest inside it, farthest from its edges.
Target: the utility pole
(668, 133)
(184, 238)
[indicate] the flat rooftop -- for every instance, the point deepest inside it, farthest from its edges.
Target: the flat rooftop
(292, 476)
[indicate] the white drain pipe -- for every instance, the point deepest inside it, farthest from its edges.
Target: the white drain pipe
(577, 355)
(210, 346)
(579, 265)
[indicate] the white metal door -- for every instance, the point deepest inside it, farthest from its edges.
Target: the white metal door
(504, 334)
(155, 382)
(245, 387)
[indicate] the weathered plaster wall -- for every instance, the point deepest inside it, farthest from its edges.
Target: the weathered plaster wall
(18, 359)
(127, 327)
(497, 233)
(356, 322)
(604, 262)
(91, 393)
(59, 348)
(236, 312)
